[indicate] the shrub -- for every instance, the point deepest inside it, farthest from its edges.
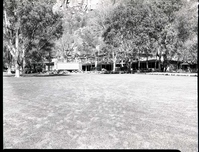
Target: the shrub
(107, 72)
(104, 69)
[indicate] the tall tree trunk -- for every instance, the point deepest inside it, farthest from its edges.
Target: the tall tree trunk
(131, 66)
(9, 69)
(138, 64)
(122, 66)
(17, 54)
(14, 53)
(114, 61)
(114, 65)
(96, 64)
(17, 69)
(6, 20)
(23, 66)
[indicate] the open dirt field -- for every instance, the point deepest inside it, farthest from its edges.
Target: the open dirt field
(101, 111)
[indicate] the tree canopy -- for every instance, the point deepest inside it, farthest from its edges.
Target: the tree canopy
(121, 30)
(30, 27)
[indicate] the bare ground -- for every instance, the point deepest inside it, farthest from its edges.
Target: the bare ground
(80, 111)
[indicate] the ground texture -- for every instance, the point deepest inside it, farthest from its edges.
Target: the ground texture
(101, 111)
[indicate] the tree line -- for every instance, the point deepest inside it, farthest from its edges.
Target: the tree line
(36, 30)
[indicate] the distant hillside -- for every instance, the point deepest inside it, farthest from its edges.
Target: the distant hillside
(83, 4)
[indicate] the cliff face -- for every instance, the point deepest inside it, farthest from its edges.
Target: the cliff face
(84, 4)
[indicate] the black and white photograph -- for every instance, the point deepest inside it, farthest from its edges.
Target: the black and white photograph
(100, 74)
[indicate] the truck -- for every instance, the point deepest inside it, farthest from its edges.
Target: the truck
(67, 66)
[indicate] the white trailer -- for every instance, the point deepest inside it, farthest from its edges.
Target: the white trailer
(67, 66)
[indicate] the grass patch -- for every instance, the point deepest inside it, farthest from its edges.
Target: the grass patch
(101, 111)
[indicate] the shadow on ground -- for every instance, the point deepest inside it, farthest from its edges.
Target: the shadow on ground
(86, 111)
(40, 75)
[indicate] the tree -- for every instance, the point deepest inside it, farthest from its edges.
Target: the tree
(112, 40)
(131, 29)
(186, 27)
(11, 30)
(41, 28)
(128, 26)
(91, 35)
(74, 20)
(84, 25)
(29, 28)
(175, 34)
(163, 17)
(64, 47)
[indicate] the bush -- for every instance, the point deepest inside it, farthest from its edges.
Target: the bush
(63, 71)
(54, 72)
(44, 71)
(107, 72)
(181, 71)
(104, 69)
(80, 71)
(49, 72)
(74, 71)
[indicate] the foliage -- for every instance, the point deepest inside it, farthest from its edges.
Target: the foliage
(148, 27)
(186, 29)
(117, 30)
(41, 27)
(124, 30)
(30, 28)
